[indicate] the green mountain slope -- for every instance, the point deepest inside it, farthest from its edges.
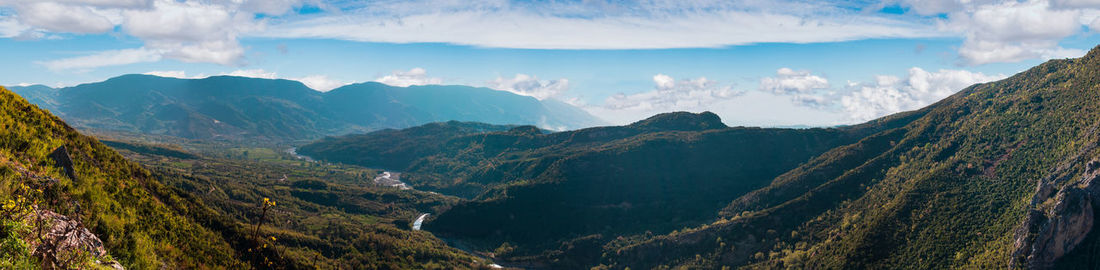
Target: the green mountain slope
(537, 191)
(326, 216)
(393, 149)
(192, 212)
(118, 201)
(226, 107)
(997, 175)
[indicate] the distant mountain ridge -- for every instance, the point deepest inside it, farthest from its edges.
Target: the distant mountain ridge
(228, 107)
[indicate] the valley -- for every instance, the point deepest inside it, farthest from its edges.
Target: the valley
(545, 135)
(998, 175)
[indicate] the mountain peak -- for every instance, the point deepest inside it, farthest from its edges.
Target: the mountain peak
(684, 121)
(1092, 54)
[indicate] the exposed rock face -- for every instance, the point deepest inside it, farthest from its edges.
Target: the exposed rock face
(62, 159)
(1057, 231)
(63, 239)
(1054, 227)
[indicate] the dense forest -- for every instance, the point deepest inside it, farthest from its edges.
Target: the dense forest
(532, 193)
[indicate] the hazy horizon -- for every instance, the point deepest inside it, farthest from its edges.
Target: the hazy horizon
(778, 63)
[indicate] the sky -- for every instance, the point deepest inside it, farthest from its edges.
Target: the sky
(754, 63)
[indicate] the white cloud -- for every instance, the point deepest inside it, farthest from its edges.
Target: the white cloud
(208, 31)
(789, 81)
(890, 94)
(270, 7)
(933, 7)
(803, 87)
(104, 58)
(415, 76)
(752, 108)
(528, 85)
(10, 27)
(189, 30)
(320, 82)
(57, 17)
(1095, 25)
(316, 82)
(173, 74)
(253, 73)
(1010, 31)
(1071, 4)
(583, 25)
(179, 21)
(668, 95)
(673, 94)
(192, 31)
(109, 3)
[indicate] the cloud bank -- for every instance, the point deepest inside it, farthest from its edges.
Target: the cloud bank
(891, 94)
(598, 24)
(530, 85)
(188, 31)
(415, 76)
(316, 82)
(208, 31)
(668, 94)
(1010, 31)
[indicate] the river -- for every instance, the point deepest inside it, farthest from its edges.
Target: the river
(391, 179)
(419, 221)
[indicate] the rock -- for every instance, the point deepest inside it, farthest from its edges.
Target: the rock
(1042, 193)
(1051, 230)
(63, 237)
(1067, 224)
(62, 159)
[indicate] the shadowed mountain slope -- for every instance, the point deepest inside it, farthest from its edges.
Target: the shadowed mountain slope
(998, 175)
(659, 174)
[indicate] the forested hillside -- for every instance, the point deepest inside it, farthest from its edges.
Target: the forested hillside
(394, 149)
(1000, 174)
(534, 192)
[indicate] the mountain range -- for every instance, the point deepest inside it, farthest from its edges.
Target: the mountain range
(235, 108)
(68, 201)
(998, 175)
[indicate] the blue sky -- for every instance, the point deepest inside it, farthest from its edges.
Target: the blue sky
(758, 63)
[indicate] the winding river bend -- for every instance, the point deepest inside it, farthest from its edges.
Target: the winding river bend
(419, 221)
(391, 179)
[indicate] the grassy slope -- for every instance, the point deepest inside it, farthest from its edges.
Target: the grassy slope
(118, 200)
(192, 212)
